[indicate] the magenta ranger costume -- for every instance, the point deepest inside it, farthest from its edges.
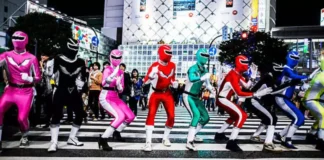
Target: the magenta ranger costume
(23, 71)
(113, 83)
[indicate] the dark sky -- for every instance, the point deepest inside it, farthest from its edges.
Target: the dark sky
(289, 12)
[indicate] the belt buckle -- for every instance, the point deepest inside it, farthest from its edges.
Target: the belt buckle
(20, 85)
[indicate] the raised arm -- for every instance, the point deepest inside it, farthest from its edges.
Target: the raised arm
(150, 73)
(35, 70)
(237, 89)
(290, 73)
(105, 77)
(192, 75)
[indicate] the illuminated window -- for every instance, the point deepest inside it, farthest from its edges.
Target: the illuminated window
(6, 9)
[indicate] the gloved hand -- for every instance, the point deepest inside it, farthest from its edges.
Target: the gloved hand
(119, 85)
(175, 84)
(154, 71)
(25, 77)
(263, 92)
(205, 77)
(109, 79)
(254, 70)
(79, 83)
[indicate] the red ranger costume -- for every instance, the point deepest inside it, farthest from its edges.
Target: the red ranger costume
(161, 75)
(230, 86)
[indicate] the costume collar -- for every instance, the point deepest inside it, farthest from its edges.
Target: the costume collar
(163, 63)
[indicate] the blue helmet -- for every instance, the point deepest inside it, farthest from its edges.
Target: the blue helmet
(292, 59)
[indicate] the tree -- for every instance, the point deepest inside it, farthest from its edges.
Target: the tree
(260, 47)
(47, 31)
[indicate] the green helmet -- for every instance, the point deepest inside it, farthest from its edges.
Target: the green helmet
(202, 56)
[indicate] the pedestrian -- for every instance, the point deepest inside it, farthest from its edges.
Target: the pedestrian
(94, 89)
(135, 90)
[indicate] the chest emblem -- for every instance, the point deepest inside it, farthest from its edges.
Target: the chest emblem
(14, 63)
(167, 76)
(65, 71)
(70, 89)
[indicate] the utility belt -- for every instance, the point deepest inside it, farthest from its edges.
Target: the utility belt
(21, 85)
(160, 90)
(191, 94)
(109, 88)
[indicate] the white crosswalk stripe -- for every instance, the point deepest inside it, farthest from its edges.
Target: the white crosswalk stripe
(135, 140)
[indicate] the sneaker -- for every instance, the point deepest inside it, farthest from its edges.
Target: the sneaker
(232, 146)
(198, 139)
(256, 139)
(52, 147)
(271, 147)
(95, 119)
(24, 142)
(311, 139)
(220, 137)
(320, 145)
(148, 147)
(166, 143)
(277, 138)
(288, 145)
(74, 141)
(191, 146)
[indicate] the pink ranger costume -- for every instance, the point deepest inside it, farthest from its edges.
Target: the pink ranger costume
(113, 83)
(23, 70)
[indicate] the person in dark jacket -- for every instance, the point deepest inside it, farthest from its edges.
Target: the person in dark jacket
(127, 84)
(135, 90)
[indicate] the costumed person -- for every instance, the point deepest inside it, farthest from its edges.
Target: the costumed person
(314, 102)
(229, 86)
(113, 84)
(70, 76)
(262, 106)
(283, 101)
(196, 76)
(23, 71)
(161, 75)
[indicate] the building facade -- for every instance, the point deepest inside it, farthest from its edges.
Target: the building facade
(187, 25)
(13, 8)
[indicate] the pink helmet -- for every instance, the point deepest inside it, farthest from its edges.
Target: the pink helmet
(115, 57)
(19, 40)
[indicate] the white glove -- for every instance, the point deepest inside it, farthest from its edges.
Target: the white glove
(154, 71)
(79, 83)
(205, 77)
(175, 84)
(109, 79)
(254, 70)
(25, 77)
(119, 85)
(263, 92)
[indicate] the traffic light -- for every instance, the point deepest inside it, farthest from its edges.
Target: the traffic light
(244, 35)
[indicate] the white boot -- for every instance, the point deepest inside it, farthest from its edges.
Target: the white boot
(166, 142)
(54, 136)
(73, 140)
(148, 144)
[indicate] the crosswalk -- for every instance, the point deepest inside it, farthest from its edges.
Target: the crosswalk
(135, 139)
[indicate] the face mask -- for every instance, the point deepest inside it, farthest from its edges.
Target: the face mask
(19, 40)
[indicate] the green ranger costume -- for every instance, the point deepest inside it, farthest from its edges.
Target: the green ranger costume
(313, 100)
(197, 75)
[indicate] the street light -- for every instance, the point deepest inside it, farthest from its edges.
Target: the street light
(211, 43)
(244, 35)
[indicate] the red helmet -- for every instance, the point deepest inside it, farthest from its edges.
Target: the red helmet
(241, 63)
(165, 53)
